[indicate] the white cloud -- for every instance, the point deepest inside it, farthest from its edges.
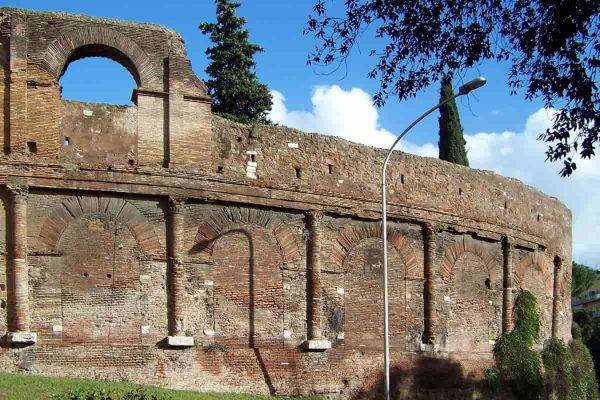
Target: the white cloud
(350, 114)
(522, 156)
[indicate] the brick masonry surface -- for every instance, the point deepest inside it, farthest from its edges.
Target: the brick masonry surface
(128, 231)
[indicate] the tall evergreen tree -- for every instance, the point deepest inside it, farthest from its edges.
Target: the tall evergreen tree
(452, 142)
(233, 85)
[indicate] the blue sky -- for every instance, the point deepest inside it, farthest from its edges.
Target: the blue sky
(500, 128)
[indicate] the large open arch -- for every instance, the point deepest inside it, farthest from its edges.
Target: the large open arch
(102, 42)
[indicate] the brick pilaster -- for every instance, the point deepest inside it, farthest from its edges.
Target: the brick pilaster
(314, 274)
(17, 267)
(429, 236)
(175, 271)
(17, 86)
(556, 295)
(507, 284)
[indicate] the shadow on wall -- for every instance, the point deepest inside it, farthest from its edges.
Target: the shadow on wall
(429, 378)
(251, 306)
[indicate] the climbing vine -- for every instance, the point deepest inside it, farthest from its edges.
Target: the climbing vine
(517, 363)
(559, 372)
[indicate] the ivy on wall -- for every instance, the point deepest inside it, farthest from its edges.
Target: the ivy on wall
(559, 372)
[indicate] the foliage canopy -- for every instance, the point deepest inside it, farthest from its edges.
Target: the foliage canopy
(552, 47)
(583, 279)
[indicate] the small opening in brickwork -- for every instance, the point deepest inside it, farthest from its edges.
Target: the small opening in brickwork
(298, 172)
(109, 276)
(252, 157)
(2, 287)
(220, 169)
(402, 179)
(85, 274)
(488, 283)
(539, 217)
(460, 191)
(131, 162)
(505, 204)
(67, 141)
(239, 139)
(2, 304)
(330, 168)
(32, 147)
(189, 279)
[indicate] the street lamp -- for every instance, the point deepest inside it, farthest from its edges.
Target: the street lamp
(463, 90)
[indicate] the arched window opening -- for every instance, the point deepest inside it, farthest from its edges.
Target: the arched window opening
(98, 80)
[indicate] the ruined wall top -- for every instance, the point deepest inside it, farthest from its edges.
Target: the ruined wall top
(52, 40)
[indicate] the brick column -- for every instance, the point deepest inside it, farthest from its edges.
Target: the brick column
(17, 86)
(175, 275)
(556, 295)
(315, 291)
(507, 284)
(429, 236)
(18, 270)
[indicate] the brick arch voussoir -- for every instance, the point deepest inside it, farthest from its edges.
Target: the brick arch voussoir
(231, 218)
(120, 210)
(352, 236)
(464, 245)
(60, 50)
(536, 260)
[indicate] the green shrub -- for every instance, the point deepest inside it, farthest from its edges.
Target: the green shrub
(136, 394)
(517, 363)
(80, 394)
(576, 331)
(584, 385)
(568, 371)
(519, 366)
(586, 322)
(527, 319)
(491, 378)
(558, 369)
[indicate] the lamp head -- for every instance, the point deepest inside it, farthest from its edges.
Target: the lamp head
(472, 85)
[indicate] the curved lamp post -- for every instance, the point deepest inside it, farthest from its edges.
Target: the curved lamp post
(464, 89)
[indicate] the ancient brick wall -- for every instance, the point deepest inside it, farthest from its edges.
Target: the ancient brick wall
(101, 134)
(162, 244)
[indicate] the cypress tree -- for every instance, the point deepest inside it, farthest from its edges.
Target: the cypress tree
(452, 142)
(236, 91)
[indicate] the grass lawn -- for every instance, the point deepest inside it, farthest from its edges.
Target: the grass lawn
(30, 387)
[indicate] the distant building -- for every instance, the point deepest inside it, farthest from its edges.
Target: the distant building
(590, 301)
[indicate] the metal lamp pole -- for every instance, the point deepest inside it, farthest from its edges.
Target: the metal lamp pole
(463, 90)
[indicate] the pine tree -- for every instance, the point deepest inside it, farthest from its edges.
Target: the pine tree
(452, 142)
(237, 94)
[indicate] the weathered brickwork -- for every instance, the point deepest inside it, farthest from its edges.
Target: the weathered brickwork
(165, 245)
